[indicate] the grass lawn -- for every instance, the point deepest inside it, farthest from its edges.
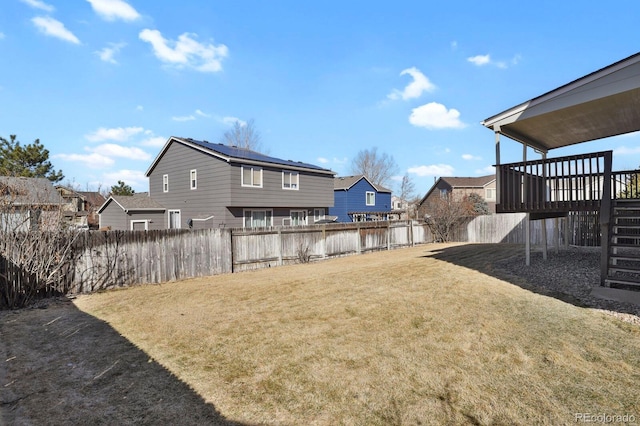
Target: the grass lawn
(395, 337)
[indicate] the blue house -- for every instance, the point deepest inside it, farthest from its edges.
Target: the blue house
(356, 199)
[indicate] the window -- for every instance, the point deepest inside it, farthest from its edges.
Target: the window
(165, 183)
(139, 225)
(193, 178)
(258, 218)
(443, 194)
(298, 217)
(174, 219)
(252, 176)
(490, 193)
(290, 180)
(318, 214)
(371, 198)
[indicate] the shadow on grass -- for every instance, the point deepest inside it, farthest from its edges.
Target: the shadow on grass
(569, 275)
(59, 365)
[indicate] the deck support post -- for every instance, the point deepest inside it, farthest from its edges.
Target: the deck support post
(527, 239)
(525, 197)
(544, 200)
(556, 234)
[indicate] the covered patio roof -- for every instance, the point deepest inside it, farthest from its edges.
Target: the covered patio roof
(601, 104)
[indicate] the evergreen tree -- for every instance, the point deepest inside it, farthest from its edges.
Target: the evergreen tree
(121, 189)
(30, 160)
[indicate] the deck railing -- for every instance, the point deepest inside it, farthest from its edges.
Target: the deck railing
(555, 185)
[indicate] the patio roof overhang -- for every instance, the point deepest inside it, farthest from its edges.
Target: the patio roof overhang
(601, 104)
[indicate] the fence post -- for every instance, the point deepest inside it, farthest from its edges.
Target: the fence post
(359, 238)
(388, 235)
(279, 246)
(231, 248)
(324, 241)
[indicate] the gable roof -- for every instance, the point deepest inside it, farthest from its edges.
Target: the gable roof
(461, 182)
(344, 183)
(601, 104)
(93, 197)
(133, 203)
(27, 191)
(233, 154)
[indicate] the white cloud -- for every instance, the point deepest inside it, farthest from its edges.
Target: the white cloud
(202, 114)
(107, 53)
(37, 4)
(114, 150)
(91, 161)
(156, 141)
(119, 134)
(184, 118)
(480, 60)
(54, 28)
(486, 171)
(419, 85)
(232, 120)
(435, 116)
(134, 178)
(186, 52)
(432, 170)
(470, 157)
(139, 108)
(111, 10)
(623, 150)
(322, 160)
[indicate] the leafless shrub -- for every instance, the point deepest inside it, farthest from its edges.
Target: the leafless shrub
(304, 255)
(36, 243)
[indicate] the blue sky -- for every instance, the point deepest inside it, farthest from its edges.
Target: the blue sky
(104, 83)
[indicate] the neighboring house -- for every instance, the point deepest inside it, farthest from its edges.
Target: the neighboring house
(485, 186)
(401, 209)
(28, 203)
(80, 208)
(358, 200)
(207, 185)
(132, 213)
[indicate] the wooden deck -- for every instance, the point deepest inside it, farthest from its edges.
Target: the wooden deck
(554, 187)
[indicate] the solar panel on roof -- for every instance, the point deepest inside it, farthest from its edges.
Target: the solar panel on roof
(246, 154)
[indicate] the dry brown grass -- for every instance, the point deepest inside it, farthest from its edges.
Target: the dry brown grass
(396, 337)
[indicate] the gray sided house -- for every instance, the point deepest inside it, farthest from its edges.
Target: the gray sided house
(207, 185)
(132, 213)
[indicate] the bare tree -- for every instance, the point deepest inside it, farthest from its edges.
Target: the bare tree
(407, 188)
(378, 168)
(243, 135)
(446, 214)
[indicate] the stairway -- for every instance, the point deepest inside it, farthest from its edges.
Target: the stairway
(624, 248)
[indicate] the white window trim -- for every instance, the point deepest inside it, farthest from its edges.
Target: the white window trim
(145, 221)
(444, 194)
(251, 185)
(366, 199)
(169, 219)
(193, 179)
(244, 217)
(486, 194)
(316, 216)
(165, 183)
(306, 216)
(291, 174)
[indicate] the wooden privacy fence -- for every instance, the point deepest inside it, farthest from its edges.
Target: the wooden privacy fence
(121, 258)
